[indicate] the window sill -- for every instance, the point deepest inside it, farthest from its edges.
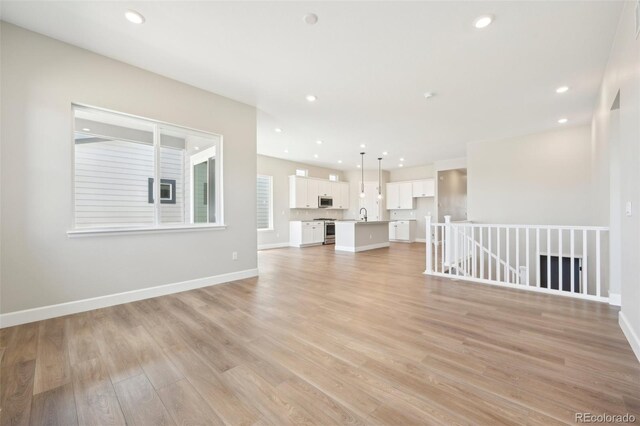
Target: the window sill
(132, 231)
(266, 230)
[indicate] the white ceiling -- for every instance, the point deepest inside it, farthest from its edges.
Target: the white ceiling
(368, 63)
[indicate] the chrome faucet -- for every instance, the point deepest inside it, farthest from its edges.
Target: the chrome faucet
(365, 213)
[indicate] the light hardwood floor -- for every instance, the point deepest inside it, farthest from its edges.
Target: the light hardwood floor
(324, 338)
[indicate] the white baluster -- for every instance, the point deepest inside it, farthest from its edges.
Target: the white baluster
(507, 266)
(481, 229)
(560, 259)
(527, 254)
(585, 269)
(498, 265)
(517, 255)
(537, 257)
(429, 246)
(598, 263)
(549, 258)
(573, 268)
(490, 262)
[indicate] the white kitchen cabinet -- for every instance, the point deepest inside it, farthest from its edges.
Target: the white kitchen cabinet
(340, 194)
(344, 196)
(325, 188)
(304, 192)
(402, 230)
(298, 193)
(424, 188)
(313, 190)
(400, 196)
(306, 233)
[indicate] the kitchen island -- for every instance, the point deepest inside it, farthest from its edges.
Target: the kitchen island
(356, 235)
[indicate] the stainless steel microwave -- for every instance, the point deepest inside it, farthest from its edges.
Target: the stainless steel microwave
(325, 202)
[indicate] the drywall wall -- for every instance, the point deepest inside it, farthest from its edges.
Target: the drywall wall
(40, 264)
(543, 178)
(280, 170)
(424, 205)
(622, 76)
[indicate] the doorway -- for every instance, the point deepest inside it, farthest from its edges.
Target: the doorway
(452, 194)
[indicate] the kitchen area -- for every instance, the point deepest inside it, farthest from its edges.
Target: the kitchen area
(360, 233)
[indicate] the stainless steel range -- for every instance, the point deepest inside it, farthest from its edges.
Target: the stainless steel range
(329, 230)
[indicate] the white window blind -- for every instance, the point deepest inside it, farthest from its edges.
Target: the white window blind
(265, 199)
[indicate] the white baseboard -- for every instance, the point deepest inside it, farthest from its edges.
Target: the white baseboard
(615, 299)
(272, 246)
(421, 240)
(362, 248)
(630, 334)
(45, 312)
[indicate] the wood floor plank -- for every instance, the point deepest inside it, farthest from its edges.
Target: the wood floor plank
(16, 390)
(324, 338)
(140, 403)
(156, 365)
(96, 400)
(52, 363)
(55, 407)
(186, 406)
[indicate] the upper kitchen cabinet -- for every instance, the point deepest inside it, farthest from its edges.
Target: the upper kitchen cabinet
(424, 188)
(304, 192)
(340, 194)
(400, 196)
(325, 188)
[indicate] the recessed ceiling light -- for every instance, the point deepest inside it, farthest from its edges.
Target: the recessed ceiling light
(86, 129)
(339, 161)
(286, 151)
(134, 17)
(362, 145)
(483, 21)
(429, 95)
(563, 120)
(400, 165)
(310, 19)
(562, 89)
(319, 142)
(385, 153)
(315, 155)
(277, 130)
(358, 165)
(197, 148)
(311, 98)
(402, 159)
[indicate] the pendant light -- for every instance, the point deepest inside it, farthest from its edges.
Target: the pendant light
(379, 178)
(362, 195)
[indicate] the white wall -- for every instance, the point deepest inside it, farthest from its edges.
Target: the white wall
(40, 265)
(623, 75)
(280, 170)
(543, 178)
(424, 206)
(354, 177)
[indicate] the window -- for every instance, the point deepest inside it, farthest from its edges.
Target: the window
(333, 178)
(121, 162)
(265, 202)
(302, 172)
